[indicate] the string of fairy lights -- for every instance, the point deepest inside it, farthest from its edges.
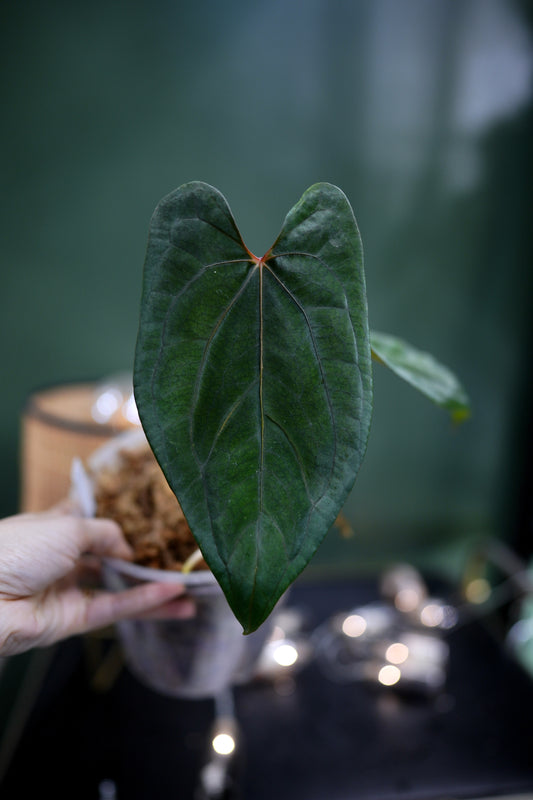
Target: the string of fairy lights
(398, 643)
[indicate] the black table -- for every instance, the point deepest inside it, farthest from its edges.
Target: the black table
(322, 741)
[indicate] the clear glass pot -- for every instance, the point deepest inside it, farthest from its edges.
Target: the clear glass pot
(196, 657)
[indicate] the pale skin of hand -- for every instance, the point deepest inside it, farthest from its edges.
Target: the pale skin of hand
(42, 557)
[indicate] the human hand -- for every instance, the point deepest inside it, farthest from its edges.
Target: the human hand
(42, 560)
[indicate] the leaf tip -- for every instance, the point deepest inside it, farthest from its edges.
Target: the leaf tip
(461, 415)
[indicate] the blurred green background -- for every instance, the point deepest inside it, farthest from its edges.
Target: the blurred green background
(420, 111)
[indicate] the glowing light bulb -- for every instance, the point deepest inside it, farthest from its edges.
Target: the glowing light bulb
(285, 655)
(389, 675)
(478, 590)
(432, 615)
(354, 625)
(130, 411)
(407, 599)
(277, 633)
(106, 404)
(397, 653)
(223, 744)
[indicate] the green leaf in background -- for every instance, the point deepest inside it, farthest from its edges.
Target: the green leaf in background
(253, 382)
(423, 372)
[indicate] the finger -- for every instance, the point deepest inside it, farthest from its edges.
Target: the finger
(182, 608)
(105, 608)
(102, 537)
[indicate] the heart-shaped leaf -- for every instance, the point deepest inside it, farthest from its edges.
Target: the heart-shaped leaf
(423, 372)
(253, 382)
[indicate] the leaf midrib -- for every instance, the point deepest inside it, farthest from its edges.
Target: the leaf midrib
(260, 265)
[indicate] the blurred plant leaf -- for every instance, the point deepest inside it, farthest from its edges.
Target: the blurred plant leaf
(253, 382)
(423, 372)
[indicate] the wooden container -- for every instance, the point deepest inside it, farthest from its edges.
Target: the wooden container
(57, 425)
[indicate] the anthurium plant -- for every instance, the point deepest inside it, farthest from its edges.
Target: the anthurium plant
(253, 381)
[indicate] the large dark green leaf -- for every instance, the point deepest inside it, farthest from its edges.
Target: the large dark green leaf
(253, 382)
(423, 372)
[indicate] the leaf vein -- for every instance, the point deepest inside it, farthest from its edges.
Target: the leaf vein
(196, 392)
(320, 367)
(235, 238)
(168, 313)
(295, 451)
(239, 401)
